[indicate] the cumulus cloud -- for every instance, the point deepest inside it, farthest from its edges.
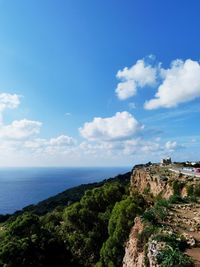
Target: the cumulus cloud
(20, 137)
(171, 145)
(10, 101)
(181, 83)
(139, 75)
(20, 129)
(60, 144)
(121, 126)
(62, 140)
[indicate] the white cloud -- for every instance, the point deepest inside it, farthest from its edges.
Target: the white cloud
(60, 144)
(35, 144)
(139, 75)
(19, 138)
(181, 83)
(171, 145)
(20, 129)
(10, 101)
(121, 126)
(126, 89)
(150, 147)
(62, 140)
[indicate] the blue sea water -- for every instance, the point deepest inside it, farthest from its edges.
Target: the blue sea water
(20, 187)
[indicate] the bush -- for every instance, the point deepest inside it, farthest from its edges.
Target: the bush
(162, 203)
(176, 199)
(170, 257)
(172, 240)
(177, 187)
(156, 214)
(120, 223)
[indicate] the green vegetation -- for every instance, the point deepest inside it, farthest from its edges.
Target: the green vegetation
(157, 213)
(170, 257)
(155, 230)
(89, 225)
(144, 236)
(120, 223)
(90, 231)
(65, 198)
(173, 240)
(177, 187)
(86, 222)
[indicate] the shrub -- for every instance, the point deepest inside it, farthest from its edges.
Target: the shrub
(173, 240)
(155, 215)
(170, 257)
(120, 223)
(162, 203)
(177, 187)
(190, 190)
(176, 199)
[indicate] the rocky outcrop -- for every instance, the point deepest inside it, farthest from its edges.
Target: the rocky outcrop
(152, 181)
(134, 257)
(182, 218)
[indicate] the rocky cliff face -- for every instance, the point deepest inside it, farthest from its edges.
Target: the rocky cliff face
(134, 257)
(156, 180)
(152, 180)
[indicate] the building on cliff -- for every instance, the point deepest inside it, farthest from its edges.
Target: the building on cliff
(166, 161)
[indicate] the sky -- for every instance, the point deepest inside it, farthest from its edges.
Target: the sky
(99, 83)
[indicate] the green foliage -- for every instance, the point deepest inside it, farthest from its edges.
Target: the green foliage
(146, 190)
(197, 190)
(190, 190)
(121, 220)
(176, 199)
(62, 234)
(170, 257)
(68, 197)
(177, 187)
(193, 192)
(162, 203)
(155, 215)
(172, 240)
(25, 224)
(86, 222)
(27, 243)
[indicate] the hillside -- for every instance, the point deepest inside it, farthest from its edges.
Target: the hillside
(73, 228)
(147, 217)
(65, 198)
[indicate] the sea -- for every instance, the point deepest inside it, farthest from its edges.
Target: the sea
(20, 187)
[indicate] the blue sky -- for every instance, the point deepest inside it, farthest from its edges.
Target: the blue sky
(61, 63)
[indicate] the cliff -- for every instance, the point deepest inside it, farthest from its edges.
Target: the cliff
(133, 254)
(152, 180)
(157, 180)
(180, 222)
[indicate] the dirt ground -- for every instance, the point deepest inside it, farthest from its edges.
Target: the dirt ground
(185, 219)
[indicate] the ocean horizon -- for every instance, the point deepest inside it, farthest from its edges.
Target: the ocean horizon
(22, 186)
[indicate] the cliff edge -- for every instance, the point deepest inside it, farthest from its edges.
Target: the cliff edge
(168, 233)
